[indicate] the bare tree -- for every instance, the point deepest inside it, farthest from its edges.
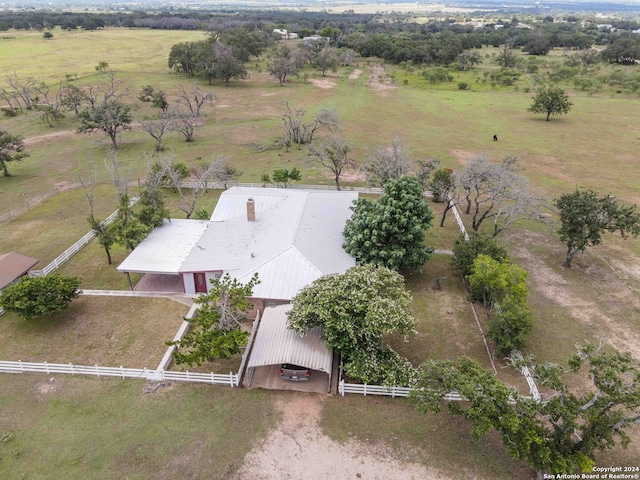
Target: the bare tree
(23, 89)
(157, 128)
(297, 132)
(204, 174)
(49, 103)
(387, 162)
(184, 122)
(334, 155)
(496, 190)
(194, 100)
(105, 234)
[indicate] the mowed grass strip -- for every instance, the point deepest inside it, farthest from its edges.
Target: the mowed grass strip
(81, 427)
(105, 331)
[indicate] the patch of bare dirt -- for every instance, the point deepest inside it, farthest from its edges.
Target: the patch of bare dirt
(52, 137)
(552, 167)
(47, 386)
(323, 83)
(298, 449)
(355, 74)
(586, 310)
(463, 156)
(378, 80)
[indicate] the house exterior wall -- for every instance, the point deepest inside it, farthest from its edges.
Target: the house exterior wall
(189, 283)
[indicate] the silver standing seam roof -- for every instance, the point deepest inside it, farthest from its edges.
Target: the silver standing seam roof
(165, 248)
(276, 344)
(296, 238)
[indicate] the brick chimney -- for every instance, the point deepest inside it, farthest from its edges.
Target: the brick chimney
(251, 210)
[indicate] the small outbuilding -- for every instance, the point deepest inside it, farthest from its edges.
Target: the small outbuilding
(14, 266)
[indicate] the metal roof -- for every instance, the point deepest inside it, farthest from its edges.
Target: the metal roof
(14, 265)
(276, 344)
(165, 248)
(296, 238)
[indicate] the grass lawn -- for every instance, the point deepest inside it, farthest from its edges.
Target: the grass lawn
(439, 440)
(49, 228)
(106, 331)
(591, 147)
(81, 427)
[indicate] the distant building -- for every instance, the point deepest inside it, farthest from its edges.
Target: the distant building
(284, 34)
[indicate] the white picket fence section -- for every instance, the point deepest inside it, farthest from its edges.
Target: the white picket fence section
(364, 389)
(224, 186)
(229, 379)
(79, 245)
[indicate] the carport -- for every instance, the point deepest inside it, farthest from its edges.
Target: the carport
(160, 255)
(275, 344)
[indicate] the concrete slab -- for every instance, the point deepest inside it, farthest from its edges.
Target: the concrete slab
(153, 282)
(268, 377)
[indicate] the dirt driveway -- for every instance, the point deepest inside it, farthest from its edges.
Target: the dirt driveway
(297, 449)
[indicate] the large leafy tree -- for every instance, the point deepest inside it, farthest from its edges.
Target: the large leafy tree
(585, 216)
(216, 330)
(390, 232)
(111, 117)
(32, 297)
(552, 101)
(561, 432)
(11, 150)
(357, 309)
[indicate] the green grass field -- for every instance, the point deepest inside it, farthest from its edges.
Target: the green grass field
(594, 146)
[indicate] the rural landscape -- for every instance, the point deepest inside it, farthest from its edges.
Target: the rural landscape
(522, 121)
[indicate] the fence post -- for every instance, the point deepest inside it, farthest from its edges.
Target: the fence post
(20, 363)
(121, 372)
(365, 389)
(188, 376)
(97, 370)
(231, 379)
(71, 368)
(46, 367)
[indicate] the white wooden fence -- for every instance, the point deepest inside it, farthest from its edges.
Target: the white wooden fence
(364, 389)
(229, 379)
(224, 186)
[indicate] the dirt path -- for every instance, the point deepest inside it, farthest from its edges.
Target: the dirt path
(297, 449)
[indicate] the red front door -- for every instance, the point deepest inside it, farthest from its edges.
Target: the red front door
(200, 280)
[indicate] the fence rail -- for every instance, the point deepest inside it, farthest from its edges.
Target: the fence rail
(224, 186)
(229, 379)
(364, 389)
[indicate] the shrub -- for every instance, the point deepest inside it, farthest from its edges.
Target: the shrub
(510, 326)
(463, 86)
(36, 296)
(466, 251)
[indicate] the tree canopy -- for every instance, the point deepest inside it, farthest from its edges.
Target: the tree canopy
(560, 433)
(585, 216)
(356, 309)
(11, 150)
(32, 297)
(552, 101)
(215, 331)
(390, 231)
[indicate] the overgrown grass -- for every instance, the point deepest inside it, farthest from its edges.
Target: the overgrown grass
(78, 428)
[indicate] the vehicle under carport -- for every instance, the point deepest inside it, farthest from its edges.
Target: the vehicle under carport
(275, 344)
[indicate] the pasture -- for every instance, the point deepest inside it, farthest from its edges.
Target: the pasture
(594, 146)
